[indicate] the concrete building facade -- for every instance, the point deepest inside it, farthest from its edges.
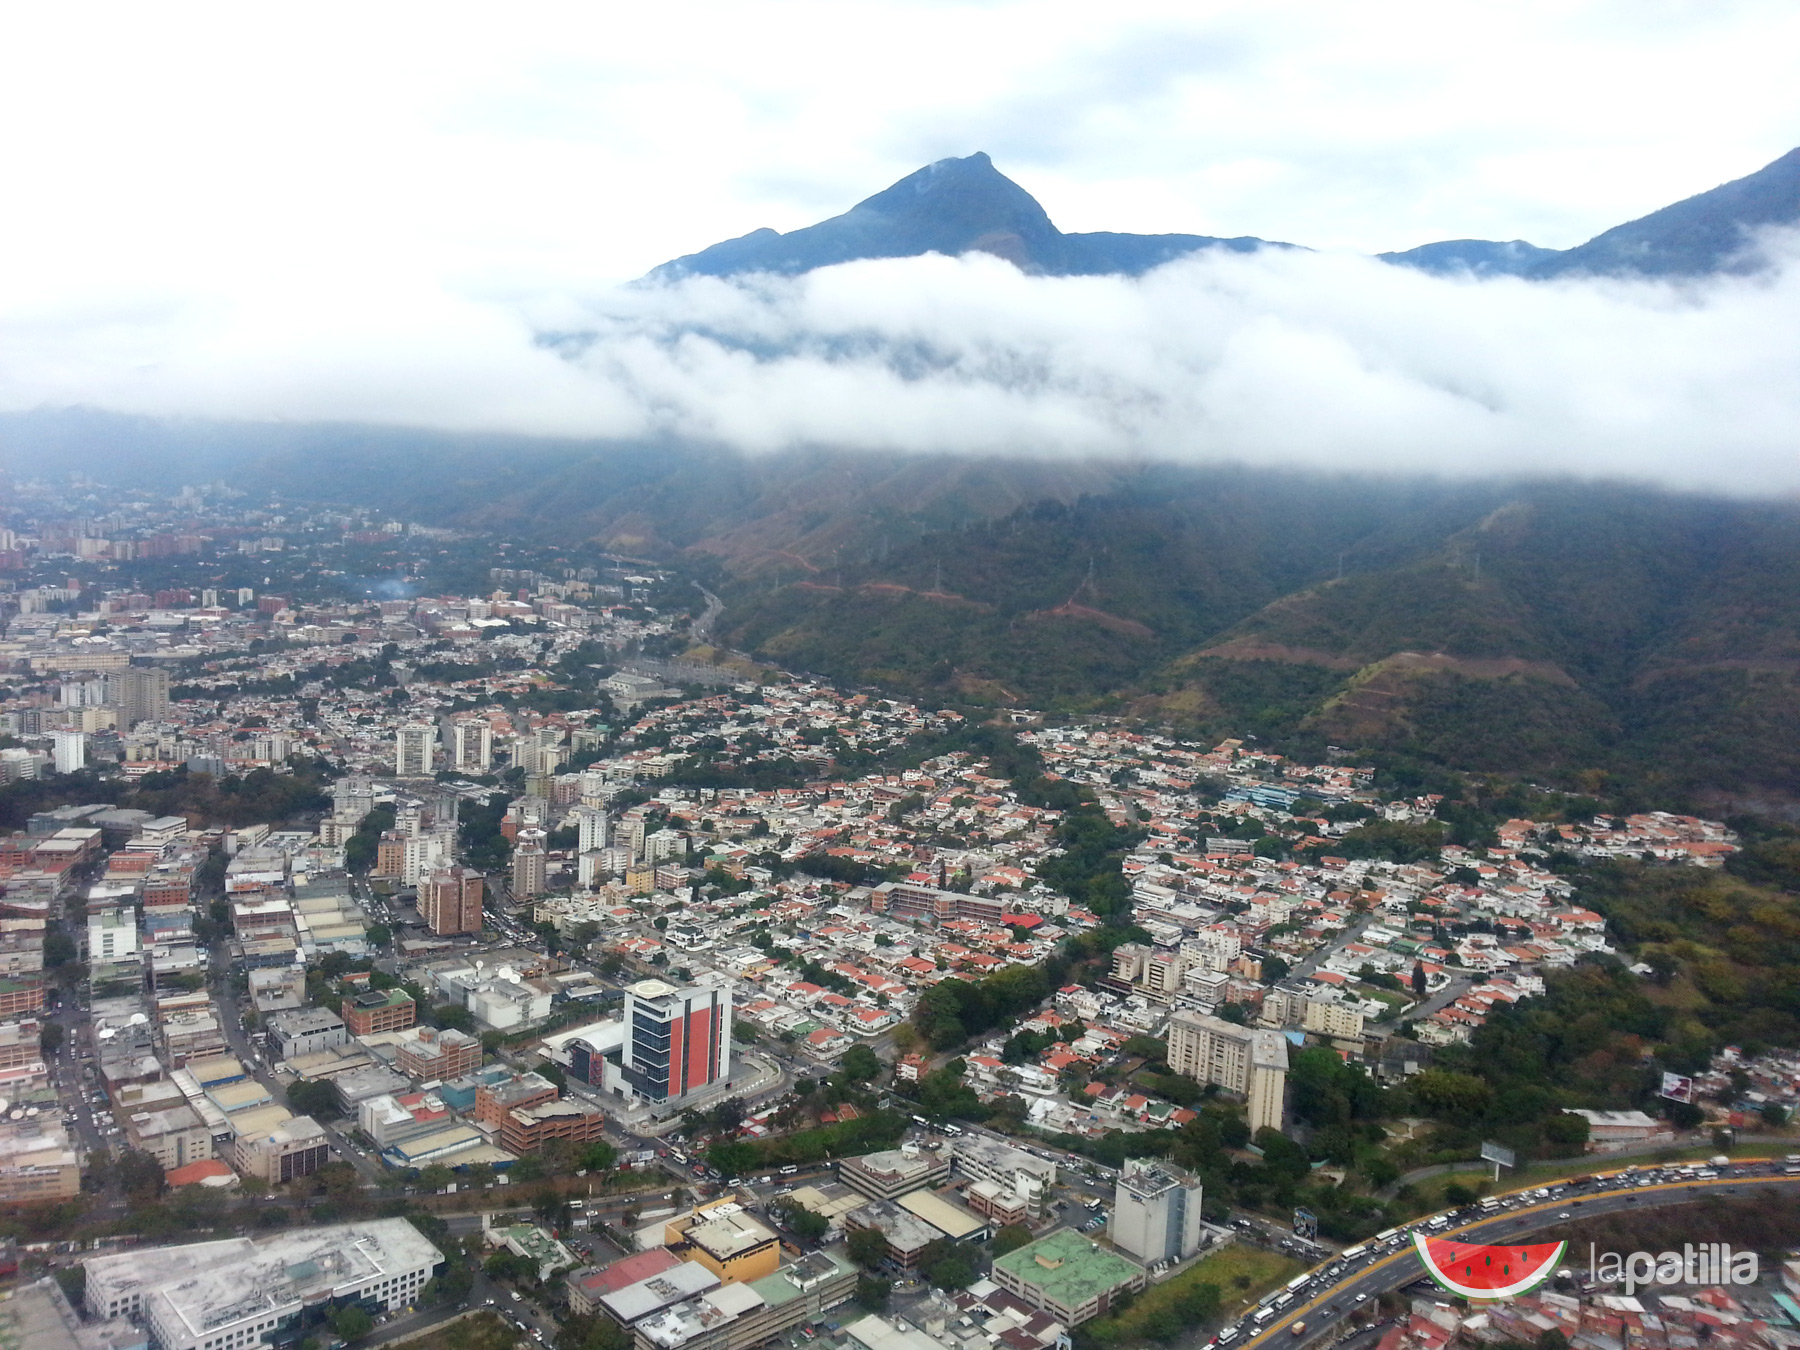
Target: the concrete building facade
(677, 1041)
(1156, 1212)
(1239, 1059)
(450, 901)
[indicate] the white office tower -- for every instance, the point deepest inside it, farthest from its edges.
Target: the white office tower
(593, 869)
(415, 750)
(592, 823)
(1156, 1212)
(472, 746)
(594, 791)
(425, 854)
(69, 750)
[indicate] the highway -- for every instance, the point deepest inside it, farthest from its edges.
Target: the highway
(1335, 1291)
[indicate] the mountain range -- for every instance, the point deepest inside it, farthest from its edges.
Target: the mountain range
(958, 206)
(1599, 636)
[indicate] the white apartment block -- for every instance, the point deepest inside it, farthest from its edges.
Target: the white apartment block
(472, 746)
(1211, 1050)
(415, 749)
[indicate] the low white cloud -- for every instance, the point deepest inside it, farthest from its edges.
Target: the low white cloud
(219, 210)
(1285, 358)
(1315, 360)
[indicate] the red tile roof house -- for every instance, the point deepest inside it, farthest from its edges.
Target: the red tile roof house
(870, 1020)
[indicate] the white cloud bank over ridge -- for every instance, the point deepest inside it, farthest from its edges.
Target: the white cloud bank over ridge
(1280, 358)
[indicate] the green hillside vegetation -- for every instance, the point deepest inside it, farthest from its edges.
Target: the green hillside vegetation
(1557, 630)
(1069, 602)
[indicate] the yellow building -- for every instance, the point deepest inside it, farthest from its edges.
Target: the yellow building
(727, 1239)
(36, 1163)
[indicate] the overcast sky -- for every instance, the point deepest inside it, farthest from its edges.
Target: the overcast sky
(364, 211)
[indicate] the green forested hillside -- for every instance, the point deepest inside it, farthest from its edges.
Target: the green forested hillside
(1598, 633)
(1574, 630)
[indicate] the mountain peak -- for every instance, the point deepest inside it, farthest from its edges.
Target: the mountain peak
(952, 206)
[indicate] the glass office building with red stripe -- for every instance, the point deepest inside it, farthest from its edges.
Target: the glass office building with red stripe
(677, 1041)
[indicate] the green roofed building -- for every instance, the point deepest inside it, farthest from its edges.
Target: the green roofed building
(1067, 1276)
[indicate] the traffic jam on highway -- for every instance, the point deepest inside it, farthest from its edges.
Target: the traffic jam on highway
(1339, 1278)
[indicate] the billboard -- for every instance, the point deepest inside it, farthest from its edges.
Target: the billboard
(1497, 1153)
(1677, 1088)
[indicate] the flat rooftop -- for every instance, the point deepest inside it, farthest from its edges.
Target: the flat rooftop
(665, 1289)
(305, 1266)
(952, 1220)
(729, 1235)
(1068, 1268)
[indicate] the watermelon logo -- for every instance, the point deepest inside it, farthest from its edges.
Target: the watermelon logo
(1475, 1271)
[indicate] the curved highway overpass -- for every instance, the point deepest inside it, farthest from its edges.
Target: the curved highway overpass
(1330, 1294)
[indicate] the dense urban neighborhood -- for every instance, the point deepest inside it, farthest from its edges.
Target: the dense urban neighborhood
(374, 954)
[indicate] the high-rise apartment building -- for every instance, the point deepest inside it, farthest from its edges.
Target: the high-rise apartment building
(541, 752)
(1268, 1081)
(528, 869)
(69, 748)
(1156, 1212)
(592, 824)
(415, 750)
(450, 901)
(677, 1041)
(591, 868)
(472, 746)
(423, 854)
(1212, 1050)
(140, 694)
